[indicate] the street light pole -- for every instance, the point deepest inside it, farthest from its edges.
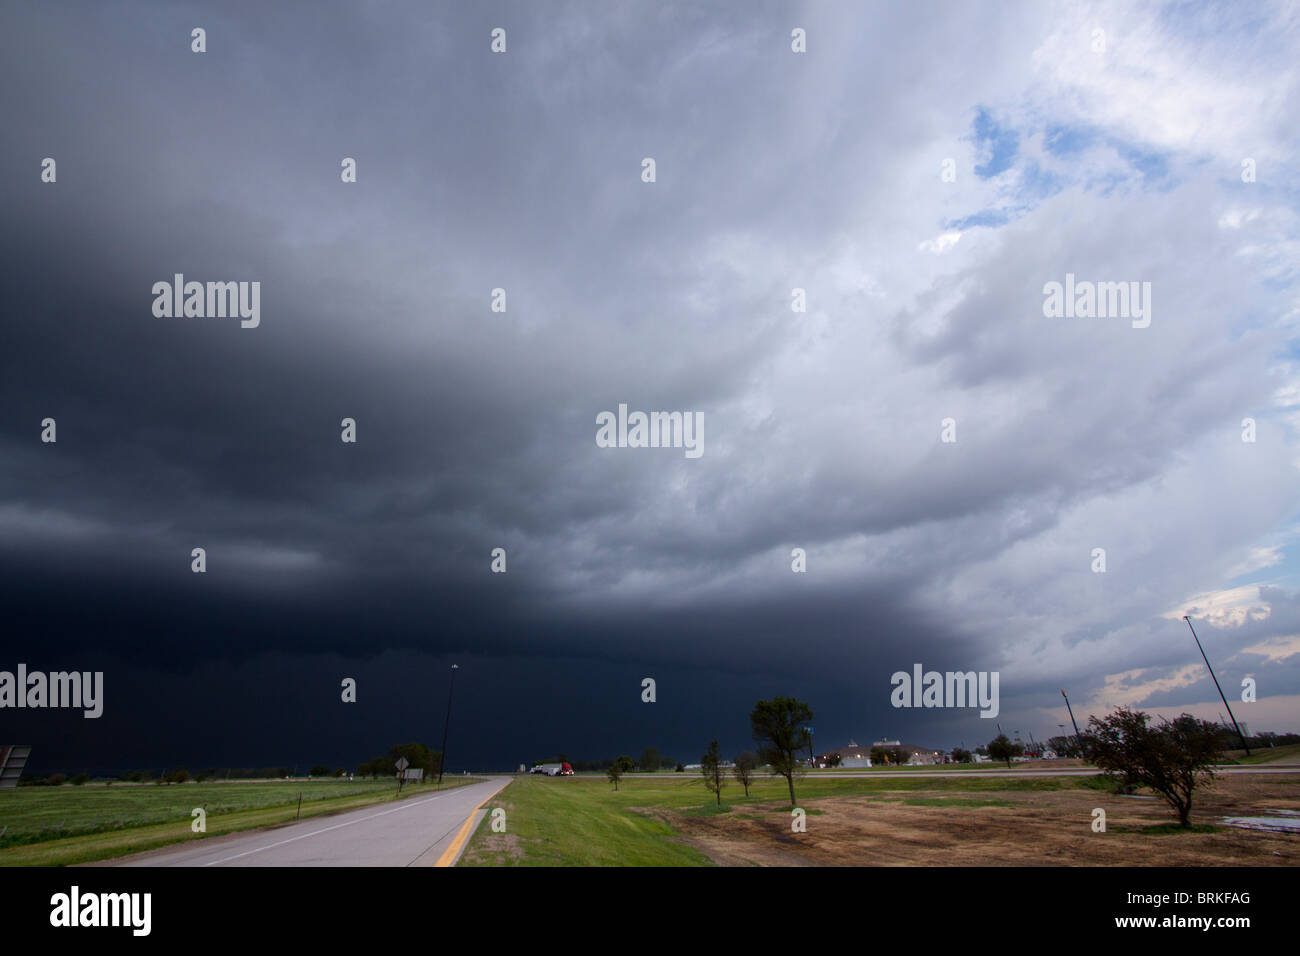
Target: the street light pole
(1077, 736)
(1240, 735)
(442, 758)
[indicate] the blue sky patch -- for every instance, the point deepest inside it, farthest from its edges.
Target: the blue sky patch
(1000, 141)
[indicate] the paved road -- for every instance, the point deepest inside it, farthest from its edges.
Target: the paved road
(418, 831)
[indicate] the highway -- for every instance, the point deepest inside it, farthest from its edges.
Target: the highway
(427, 830)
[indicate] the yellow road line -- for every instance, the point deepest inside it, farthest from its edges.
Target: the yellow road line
(449, 854)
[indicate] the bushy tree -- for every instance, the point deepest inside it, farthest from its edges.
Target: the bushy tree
(1001, 748)
(1171, 757)
(960, 756)
(780, 729)
(319, 770)
(649, 762)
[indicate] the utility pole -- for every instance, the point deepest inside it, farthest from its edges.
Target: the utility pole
(442, 759)
(1240, 735)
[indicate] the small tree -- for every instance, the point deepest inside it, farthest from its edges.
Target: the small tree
(81, 779)
(680, 768)
(780, 728)
(834, 759)
(615, 773)
(879, 756)
(1000, 748)
(960, 756)
(320, 770)
(1170, 758)
(711, 768)
(746, 764)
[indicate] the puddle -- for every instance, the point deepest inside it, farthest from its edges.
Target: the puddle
(1278, 821)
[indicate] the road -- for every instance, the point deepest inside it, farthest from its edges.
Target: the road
(418, 831)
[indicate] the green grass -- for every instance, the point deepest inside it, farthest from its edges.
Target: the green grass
(582, 821)
(1287, 754)
(57, 826)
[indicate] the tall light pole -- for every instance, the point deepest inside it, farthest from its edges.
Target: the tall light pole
(442, 759)
(1240, 735)
(1077, 736)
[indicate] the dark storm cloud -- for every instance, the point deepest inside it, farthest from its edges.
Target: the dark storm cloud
(476, 429)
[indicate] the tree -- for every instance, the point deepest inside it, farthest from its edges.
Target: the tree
(615, 773)
(81, 779)
(680, 768)
(320, 770)
(834, 759)
(960, 756)
(625, 763)
(417, 756)
(1065, 746)
(898, 756)
(650, 760)
(711, 768)
(780, 729)
(1170, 758)
(879, 756)
(1000, 748)
(746, 764)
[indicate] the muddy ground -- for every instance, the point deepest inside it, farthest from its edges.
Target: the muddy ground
(1052, 828)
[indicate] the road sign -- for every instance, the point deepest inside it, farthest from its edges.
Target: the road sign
(402, 763)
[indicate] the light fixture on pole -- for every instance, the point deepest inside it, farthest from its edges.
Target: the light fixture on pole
(1077, 736)
(1240, 735)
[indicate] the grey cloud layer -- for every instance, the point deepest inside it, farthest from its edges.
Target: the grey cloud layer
(476, 429)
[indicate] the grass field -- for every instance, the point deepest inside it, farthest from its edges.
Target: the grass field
(57, 826)
(887, 820)
(582, 821)
(1287, 754)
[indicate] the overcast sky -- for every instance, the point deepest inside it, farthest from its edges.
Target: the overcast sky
(1113, 157)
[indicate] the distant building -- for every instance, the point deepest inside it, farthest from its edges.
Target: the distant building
(857, 755)
(851, 756)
